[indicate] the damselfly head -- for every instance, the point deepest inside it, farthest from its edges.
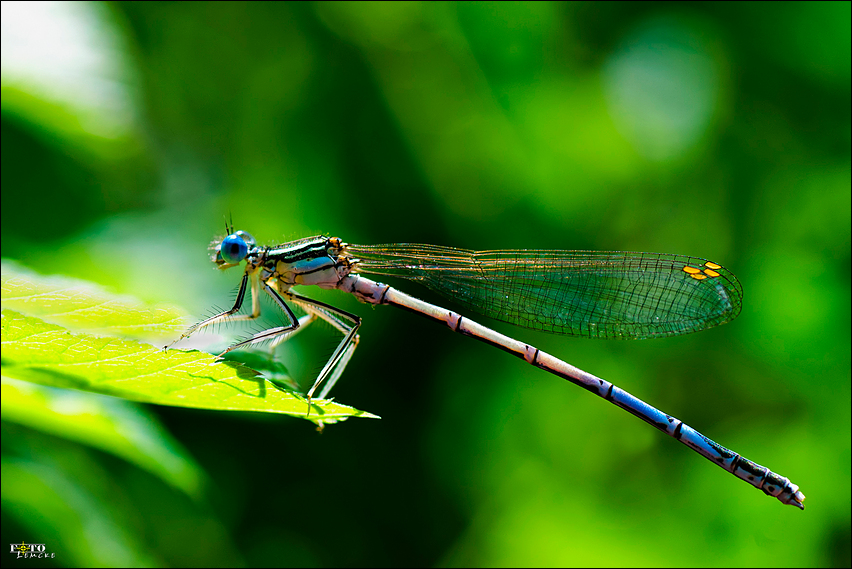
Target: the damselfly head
(233, 249)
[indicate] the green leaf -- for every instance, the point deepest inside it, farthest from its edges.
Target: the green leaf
(34, 350)
(81, 305)
(51, 354)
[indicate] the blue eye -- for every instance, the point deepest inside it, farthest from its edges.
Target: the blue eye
(234, 248)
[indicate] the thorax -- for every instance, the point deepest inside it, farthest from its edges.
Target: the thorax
(320, 261)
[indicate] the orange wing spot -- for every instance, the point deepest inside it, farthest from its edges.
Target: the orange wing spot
(710, 273)
(691, 270)
(711, 265)
(699, 277)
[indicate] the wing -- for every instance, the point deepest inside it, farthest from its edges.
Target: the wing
(595, 294)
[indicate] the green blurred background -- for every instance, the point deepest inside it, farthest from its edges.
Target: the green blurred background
(715, 130)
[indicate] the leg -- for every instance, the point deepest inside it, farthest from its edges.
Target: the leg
(347, 323)
(271, 333)
(303, 322)
(341, 365)
(227, 315)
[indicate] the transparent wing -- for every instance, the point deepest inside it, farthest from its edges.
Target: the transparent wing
(596, 294)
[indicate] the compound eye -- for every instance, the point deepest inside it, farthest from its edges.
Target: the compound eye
(234, 248)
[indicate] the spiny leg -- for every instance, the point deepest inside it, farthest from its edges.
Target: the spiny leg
(227, 314)
(270, 333)
(303, 322)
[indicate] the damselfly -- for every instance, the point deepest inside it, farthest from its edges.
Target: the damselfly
(593, 294)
